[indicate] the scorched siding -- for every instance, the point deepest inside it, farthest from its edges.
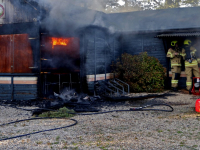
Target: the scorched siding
(17, 11)
(100, 50)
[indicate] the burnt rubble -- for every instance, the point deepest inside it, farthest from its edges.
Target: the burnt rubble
(80, 102)
(69, 99)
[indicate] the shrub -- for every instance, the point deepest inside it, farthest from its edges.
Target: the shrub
(142, 72)
(62, 112)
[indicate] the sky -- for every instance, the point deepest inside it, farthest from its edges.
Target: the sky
(121, 2)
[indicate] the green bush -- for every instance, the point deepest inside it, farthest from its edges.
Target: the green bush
(142, 72)
(62, 112)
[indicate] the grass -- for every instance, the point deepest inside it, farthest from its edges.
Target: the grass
(81, 138)
(182, 143)
(179, 132)
(62, 112)
(57, 138)
(74, 144)
(103, 148)
(65, 147)
(56, 142)
(39, 142)
(194, 146)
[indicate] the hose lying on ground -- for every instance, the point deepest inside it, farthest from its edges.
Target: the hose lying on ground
(132, 109)
(75, 122)
(144, 108)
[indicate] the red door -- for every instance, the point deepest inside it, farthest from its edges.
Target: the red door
(6, 53)
(16, 54)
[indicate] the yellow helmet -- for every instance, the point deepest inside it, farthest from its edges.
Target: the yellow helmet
(187, 42)
(173, 43)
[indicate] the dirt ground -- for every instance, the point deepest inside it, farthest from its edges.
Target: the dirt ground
(179, 129)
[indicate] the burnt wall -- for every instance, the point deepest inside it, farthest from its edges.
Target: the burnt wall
(18, 11)
(98, 49)
(60, 54)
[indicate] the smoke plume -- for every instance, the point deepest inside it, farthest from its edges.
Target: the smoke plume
(64, 17)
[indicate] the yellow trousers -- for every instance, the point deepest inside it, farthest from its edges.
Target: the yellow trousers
(176, 70)
(189, 69)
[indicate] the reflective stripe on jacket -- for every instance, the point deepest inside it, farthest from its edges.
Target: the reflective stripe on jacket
(194, 62)
(175, 59)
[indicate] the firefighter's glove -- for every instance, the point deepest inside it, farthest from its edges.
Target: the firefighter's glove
(190, 61)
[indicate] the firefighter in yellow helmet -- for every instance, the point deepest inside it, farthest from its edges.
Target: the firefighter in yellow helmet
(191, 63)
(174, 54)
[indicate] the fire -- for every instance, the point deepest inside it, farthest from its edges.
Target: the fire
(59, 41)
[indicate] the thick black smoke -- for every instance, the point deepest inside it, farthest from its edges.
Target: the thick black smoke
(65, 17)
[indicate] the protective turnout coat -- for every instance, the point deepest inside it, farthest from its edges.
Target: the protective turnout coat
(175, 65)
(191, 64)
(175, 59)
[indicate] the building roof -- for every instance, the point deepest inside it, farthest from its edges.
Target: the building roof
(151, 20)
(179, 34)
(148, 20)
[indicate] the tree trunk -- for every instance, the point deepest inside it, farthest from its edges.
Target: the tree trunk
(126, 4)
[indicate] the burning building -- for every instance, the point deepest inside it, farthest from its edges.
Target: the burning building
(46, 49)
(42, 54)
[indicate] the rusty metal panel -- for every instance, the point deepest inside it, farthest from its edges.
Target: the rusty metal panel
(23, 56)
(5, 53)
(16, 54)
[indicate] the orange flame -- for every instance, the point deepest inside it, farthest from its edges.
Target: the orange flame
(59, 41)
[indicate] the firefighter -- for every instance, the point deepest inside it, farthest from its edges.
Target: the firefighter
(175, 57)
(191, 63)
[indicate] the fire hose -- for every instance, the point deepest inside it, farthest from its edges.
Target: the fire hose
(143, 108)
(75, 122)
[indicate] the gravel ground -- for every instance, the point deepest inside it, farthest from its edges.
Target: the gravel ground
(118, 130)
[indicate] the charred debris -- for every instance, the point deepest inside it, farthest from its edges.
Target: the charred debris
(80, 102)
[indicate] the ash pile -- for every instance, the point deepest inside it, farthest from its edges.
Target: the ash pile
(104, 94)
(67, 98)
(77, 102)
